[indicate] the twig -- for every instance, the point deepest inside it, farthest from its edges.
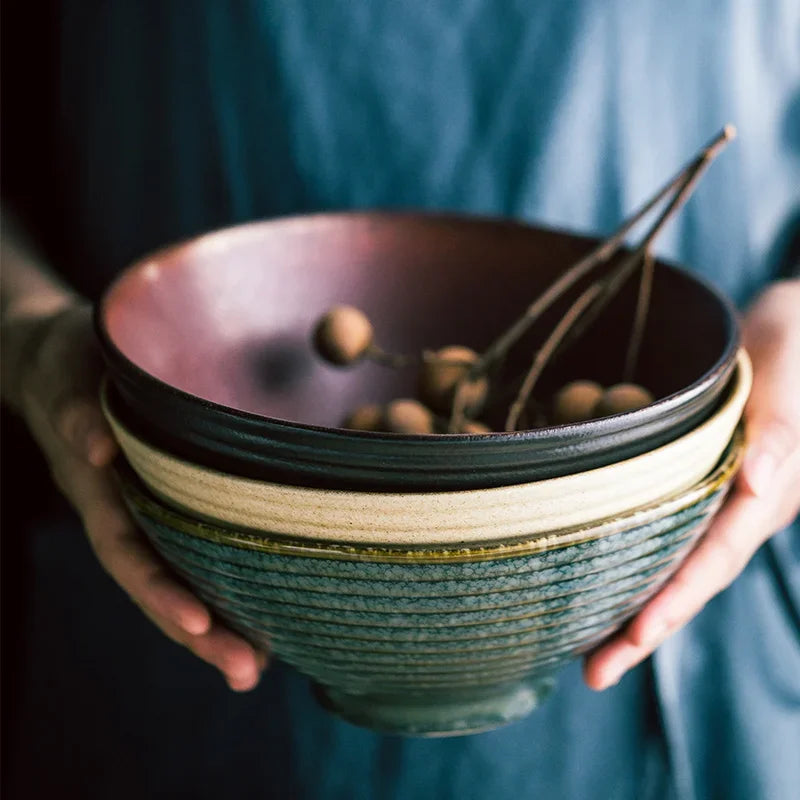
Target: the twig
(639, 318)
(621, 273)
(600, 255)
(380, 356)
(547, 349)
(683, 182)
(396, 360)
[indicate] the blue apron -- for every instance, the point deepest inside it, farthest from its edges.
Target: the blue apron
(179, 117)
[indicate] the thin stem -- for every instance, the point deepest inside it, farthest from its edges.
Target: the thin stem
(600, 255)
(598, 294)
(546, 351)
(458, 413)
(401, 360)
(639, 318)
(620, 274)
(395, 360)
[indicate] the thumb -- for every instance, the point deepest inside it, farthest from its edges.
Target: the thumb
(773, 441)
(771, 335)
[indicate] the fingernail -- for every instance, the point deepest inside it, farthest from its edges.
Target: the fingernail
(655, 632)
(243, 683)
(612, 677)
(195, 624)
(759, 471)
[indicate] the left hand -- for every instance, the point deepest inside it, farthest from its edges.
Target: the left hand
(765, 499)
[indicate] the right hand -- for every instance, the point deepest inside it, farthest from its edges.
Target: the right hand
(52, 376)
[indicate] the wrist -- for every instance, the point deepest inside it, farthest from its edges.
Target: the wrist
(37, 305)
(24, 326)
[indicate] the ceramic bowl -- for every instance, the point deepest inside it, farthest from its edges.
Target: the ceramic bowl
(208, 349)
(437, 640)
(436, 518)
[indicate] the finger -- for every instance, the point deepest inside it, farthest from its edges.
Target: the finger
(81, 423)
(239, 662)
(138, 569)
(734, 536)
(64, 389)
(772, 337)
(116, 542)
(773, 444)
(121, 549)
(140, 572)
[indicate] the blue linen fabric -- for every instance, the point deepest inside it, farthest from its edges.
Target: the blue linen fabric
(178, 117)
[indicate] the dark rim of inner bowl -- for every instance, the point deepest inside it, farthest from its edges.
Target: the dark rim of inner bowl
(268, 448)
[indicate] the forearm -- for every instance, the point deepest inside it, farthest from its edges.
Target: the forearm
(29, 292)
(27, 285)
(52, 368)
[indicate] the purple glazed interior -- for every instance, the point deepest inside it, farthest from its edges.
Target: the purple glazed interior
(208, 341)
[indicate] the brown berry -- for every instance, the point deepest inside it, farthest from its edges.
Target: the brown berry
(621, 398)
(575, 402)
(343, 335)
(439, 377)
(408, 416)
(473, 426)
(365, 418)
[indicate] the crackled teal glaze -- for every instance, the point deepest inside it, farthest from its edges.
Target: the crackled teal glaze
(332, 650)
(218, 556)
(249, 579)
(476, 631)
(426, 610)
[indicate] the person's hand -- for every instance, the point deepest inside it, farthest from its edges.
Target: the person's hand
(765, 499)
(52, 374)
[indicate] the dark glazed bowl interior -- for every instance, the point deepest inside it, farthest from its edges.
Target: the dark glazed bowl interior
(209, 351)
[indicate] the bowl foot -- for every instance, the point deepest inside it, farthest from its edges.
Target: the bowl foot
(456, 714)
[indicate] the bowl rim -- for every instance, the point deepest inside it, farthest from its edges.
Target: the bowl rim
(212, 238)
(720, 478)
(424, 519)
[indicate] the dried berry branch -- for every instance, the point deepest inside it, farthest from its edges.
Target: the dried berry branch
(401, 360)
(600, 255)
(681, 184)
(597, 296)
(621, 273)
(639, 317)
(549, 347)
(457, 380)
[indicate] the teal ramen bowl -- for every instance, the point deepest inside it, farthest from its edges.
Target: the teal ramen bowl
(441, 641)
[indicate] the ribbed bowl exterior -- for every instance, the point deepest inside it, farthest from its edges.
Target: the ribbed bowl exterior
(439, 519)
(364, 622)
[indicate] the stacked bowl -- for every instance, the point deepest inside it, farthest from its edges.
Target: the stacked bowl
(428, 585)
